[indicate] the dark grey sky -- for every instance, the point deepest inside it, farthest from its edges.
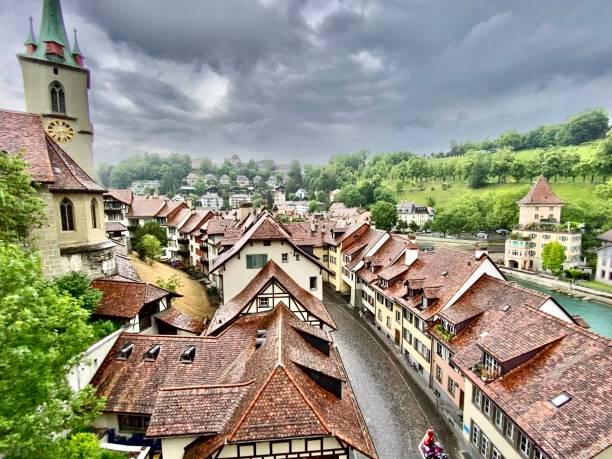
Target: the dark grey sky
(307, 79)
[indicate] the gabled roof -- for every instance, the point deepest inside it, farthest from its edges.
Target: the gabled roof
(145, 207)
(232, 386)
(123, 299)
(47, 162)
(178, 216)
(558, 357)
(541, 193)
(229, 311)
(195, 221)
(169, 207)
(177, 319)
(111, 227)
(124, 196)
(216, 226)
(264, 228)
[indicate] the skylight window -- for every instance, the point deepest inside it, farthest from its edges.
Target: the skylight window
(506, 307)
(152, 353)
(561, 399)
(125, 351)
(188, 354)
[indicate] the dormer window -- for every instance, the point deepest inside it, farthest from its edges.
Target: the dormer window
(125, 351)
(152, 353)
(491, 365)
(188, 354)
(384, 283)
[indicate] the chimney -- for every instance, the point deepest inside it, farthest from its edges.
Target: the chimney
(412, 253)
(313, 227)
(245, 210)
(480, 251)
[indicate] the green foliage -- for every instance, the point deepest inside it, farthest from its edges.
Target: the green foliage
(149, 248)
(553, 256)
(103, 173)
(384, 194)
(384, 215)
(172, 283)
(604, 191)
(85, 445)
(153, 228)
(20, 208)
(42, 332)
(313, 206)
(78, 286)
(401, 225)
(351, 196)
(585, 126)
(477, 170)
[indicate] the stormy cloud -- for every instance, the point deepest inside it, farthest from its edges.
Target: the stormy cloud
(306, 79)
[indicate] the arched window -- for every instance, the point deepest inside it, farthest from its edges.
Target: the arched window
(67, 214)
(94, 213)
(58, 100)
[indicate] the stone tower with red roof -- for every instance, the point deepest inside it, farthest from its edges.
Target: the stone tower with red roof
(56, 85)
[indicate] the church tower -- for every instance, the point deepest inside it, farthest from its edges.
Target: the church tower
(56, 84)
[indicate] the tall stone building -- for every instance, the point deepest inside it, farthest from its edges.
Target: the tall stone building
(55, 139)
(56, 84)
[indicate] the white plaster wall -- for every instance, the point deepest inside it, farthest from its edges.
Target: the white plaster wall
(174, 447)
(236, 275)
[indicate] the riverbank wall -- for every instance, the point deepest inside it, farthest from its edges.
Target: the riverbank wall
(560, 285)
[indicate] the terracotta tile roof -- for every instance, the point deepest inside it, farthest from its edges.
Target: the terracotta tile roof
(169, 207)
(232, 390)
(124, 196)
(217, 226)
(177, 217)
(68, 174)
(264, 228)
(229, 311)
(145, 207)
(177, 319)
(112, 227)
(195, 222)
(541, 193)
(489, 293)
(125, 299)
(561, 357)
(394, 270)
(24, 132)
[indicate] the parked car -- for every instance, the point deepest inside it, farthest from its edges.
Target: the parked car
(482, 235)
(502, 231)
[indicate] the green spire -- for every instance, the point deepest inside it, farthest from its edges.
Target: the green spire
(31, 40)
(75, 45)
(52, 26)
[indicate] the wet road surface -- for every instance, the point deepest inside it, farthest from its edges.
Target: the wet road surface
(395, 408)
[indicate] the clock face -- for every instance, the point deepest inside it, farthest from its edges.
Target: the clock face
(60, 130)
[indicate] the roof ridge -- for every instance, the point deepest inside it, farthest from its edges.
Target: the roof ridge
(208, 386)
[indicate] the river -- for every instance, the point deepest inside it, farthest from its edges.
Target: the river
(597, 315)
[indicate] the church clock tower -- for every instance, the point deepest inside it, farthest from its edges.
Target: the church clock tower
(56, 84)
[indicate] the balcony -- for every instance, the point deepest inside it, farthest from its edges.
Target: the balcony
(112, 206)
(183, 248)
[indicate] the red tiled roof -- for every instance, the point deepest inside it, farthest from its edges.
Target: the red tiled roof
(229, 311)
(126, 299)
(112, 227)
(24, 132)
(47, 162)
(195, 222)
(557, 357)
(145, 207)
(177, 319)
(125, 268)
(177, 216)
(124, 196)
(232, 389)
(217, 225)
(541, 193)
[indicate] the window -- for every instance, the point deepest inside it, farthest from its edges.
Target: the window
(524, 444)
(256, 261)
(297, 257)
(267, 243)
(133, 422)
(491, 364)
(58, 100)
(188, 354)
(477, 397)
(388, 322)
(55, 71)
(398, 316)
(379, 315)
(495, 454)
(442, 351)
(407, 336)
(499, 418)
(510, 430)
(285, 257)
(438, 373)
(451, 386)
(484, 446)
(486, 406)
(313, 283)
(475, 434)
(538, 454)
(67, 215)
(94, 213)
(561, 399)
(264, 302)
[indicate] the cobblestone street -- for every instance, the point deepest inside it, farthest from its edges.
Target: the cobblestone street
(395, 408)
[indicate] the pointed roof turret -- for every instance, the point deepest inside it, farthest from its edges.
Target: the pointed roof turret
(75, 46)
(541, 193)
(31, 40)
(52, 26)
